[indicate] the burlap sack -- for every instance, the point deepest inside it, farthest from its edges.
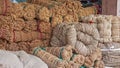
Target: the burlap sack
(5, 6)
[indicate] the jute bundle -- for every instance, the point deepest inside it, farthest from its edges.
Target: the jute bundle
(18, 24)
(43, 14)
(30, 25)
(17, 10)
(5, 6)
(68, 34)
(78, 59)
(116, 29)
(16, 36)
(72, 65)
(44, 27)
(29, 12)
(40, 2)
(99, 64)
(56, 20)
(104, 27)
(51, 60)
(64, 53)
(45, 36)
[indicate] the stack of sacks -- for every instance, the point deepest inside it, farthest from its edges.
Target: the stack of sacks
(5, 6)
(21, 60)
(111, 54)
(84, 37)
(64, 57)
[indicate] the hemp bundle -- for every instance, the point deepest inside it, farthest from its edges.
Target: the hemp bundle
(17, 10)
(5, 6)
(78, 59)
(29, 12)
(44, 27)
(116, 29)
(64, 53)
(16, 36)
(99, 64)
(43, 14)
(73, 34)
(30, 25)
(51, 60)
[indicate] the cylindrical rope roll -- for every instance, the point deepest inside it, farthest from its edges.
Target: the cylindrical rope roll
(5, 6)
(78, 59)
(51, 60)
(64, 53)
(99, 64)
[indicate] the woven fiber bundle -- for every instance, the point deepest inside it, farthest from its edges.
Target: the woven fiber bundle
(51, 60)
(99, 64)
(69, 34)
(17, 10)
(30, 25)
(64, 53)
(29, 12)
(43, 14)
(5, 6)
(16, 36)
(78, 59)
(116, 29)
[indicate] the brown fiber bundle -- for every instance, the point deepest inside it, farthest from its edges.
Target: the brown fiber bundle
(51, 60)
(99, 64)
(43, 14)
(5, 6)
(29, 12)
(16, 36)
(44, 27)
(64, 53)
(30, 25)
(78, 59)
(17, 10)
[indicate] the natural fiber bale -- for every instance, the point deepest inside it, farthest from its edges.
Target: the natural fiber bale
(39, 2)
(24, 46)
(45, 36)
(72, 65)
(30, 25)
(16, 36)
(29, 12)
(5, 6)
(64, 53)
(18, 24)
(104, 27)
(68, 34)
(17, 10)
(116, 29)
(56, 20)
(51, 60)
(44, 27)
(88, 62)
(36, 43)
(44, 14)
(99, 64)
(59, 35)
(12, 47)
(78, 59)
